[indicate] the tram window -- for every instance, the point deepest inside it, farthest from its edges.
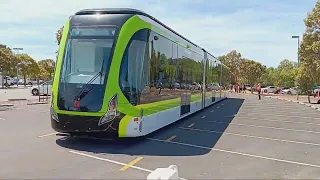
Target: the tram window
(134, 76)
(161, 61)
(85, 58)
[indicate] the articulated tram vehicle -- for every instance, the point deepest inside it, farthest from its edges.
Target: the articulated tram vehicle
(122, 72)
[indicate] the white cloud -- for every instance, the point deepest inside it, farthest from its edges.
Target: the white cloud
(262, 35)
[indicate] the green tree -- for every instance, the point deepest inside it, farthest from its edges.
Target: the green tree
(228, 76)
(309, 73)
(269, 77)
(234, 60)
(48, 65)
(252, 71)
(6, 58)
(28, 66)
(59, 33)
(286, 74)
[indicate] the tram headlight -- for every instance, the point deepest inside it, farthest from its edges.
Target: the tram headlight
(53, 114)
(112, 111)
(108, 117)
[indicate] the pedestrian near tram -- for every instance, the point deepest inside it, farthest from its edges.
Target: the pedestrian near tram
(259, 90)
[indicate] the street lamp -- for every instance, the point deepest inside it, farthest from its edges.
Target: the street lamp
(17, 49)
(297, 37)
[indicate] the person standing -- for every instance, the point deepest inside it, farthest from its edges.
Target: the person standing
(259, 90)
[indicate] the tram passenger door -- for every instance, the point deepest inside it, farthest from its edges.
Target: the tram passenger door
(183, 73)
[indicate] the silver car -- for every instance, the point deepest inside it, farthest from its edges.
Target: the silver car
(43, 89)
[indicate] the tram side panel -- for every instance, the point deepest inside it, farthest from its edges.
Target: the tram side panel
(161, 83)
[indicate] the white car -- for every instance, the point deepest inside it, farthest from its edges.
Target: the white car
(291, 91)
(214, 87)
(6, 80)
(43, 89)
(268, 89)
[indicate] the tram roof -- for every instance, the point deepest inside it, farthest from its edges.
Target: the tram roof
(128, 11)
(133, 11)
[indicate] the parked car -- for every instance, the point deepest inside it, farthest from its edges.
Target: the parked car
(290, 91)
(196, 86)
(32, 81)
(269, 89)
(214, 87)
(176, 85)
(6, 80)
(315, 91)
(43, 89)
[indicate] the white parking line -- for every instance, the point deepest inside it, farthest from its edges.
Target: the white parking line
(250, 136)
(2, 119)
(26, 109)
(280, 115)
(238, 153)
(47, 135)
(268, 127)
(273, 111)
(112, 161)
(272, 120)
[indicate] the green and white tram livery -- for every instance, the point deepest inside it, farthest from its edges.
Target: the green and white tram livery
(121, 71)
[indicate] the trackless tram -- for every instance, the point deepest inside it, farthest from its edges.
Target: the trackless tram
(123, 72)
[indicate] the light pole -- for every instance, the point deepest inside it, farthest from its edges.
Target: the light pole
(297, 37)
(17, 49)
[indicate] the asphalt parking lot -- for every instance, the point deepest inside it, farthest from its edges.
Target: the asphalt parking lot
(240, 137)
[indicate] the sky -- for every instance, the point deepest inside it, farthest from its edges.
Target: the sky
(260, 30)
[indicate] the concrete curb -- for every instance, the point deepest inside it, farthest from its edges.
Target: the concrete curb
(35, 103)
(23, 99)
(302, 103)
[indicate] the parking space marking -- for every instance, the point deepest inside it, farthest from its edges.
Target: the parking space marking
(191, 125)
(239, 153)
(2, 119)
(251, 136)
(47, 135)
(171, 138)
(273, 111)
(26, 109)
(109, 160)
(218, 107)
(272, 120)
(114, 162)
(131, 164)
(268, 127)
(212, 110)
(203, 117)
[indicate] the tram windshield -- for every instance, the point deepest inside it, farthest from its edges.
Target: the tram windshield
(88, 52)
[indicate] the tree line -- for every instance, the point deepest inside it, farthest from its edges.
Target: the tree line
(23, 65)
(305, 75)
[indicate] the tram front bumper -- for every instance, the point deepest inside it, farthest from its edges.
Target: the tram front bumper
(83, 124)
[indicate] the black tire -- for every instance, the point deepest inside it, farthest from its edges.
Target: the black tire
(289, 92)
(35, 92)
(30, 83)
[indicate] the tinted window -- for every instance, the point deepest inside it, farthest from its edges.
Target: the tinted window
(134, 70)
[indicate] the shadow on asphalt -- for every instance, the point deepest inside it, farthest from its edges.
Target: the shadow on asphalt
(147, 147)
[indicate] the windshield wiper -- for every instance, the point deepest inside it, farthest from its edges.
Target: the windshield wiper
(84, 91)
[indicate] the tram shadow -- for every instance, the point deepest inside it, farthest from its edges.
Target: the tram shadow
(185, 140)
